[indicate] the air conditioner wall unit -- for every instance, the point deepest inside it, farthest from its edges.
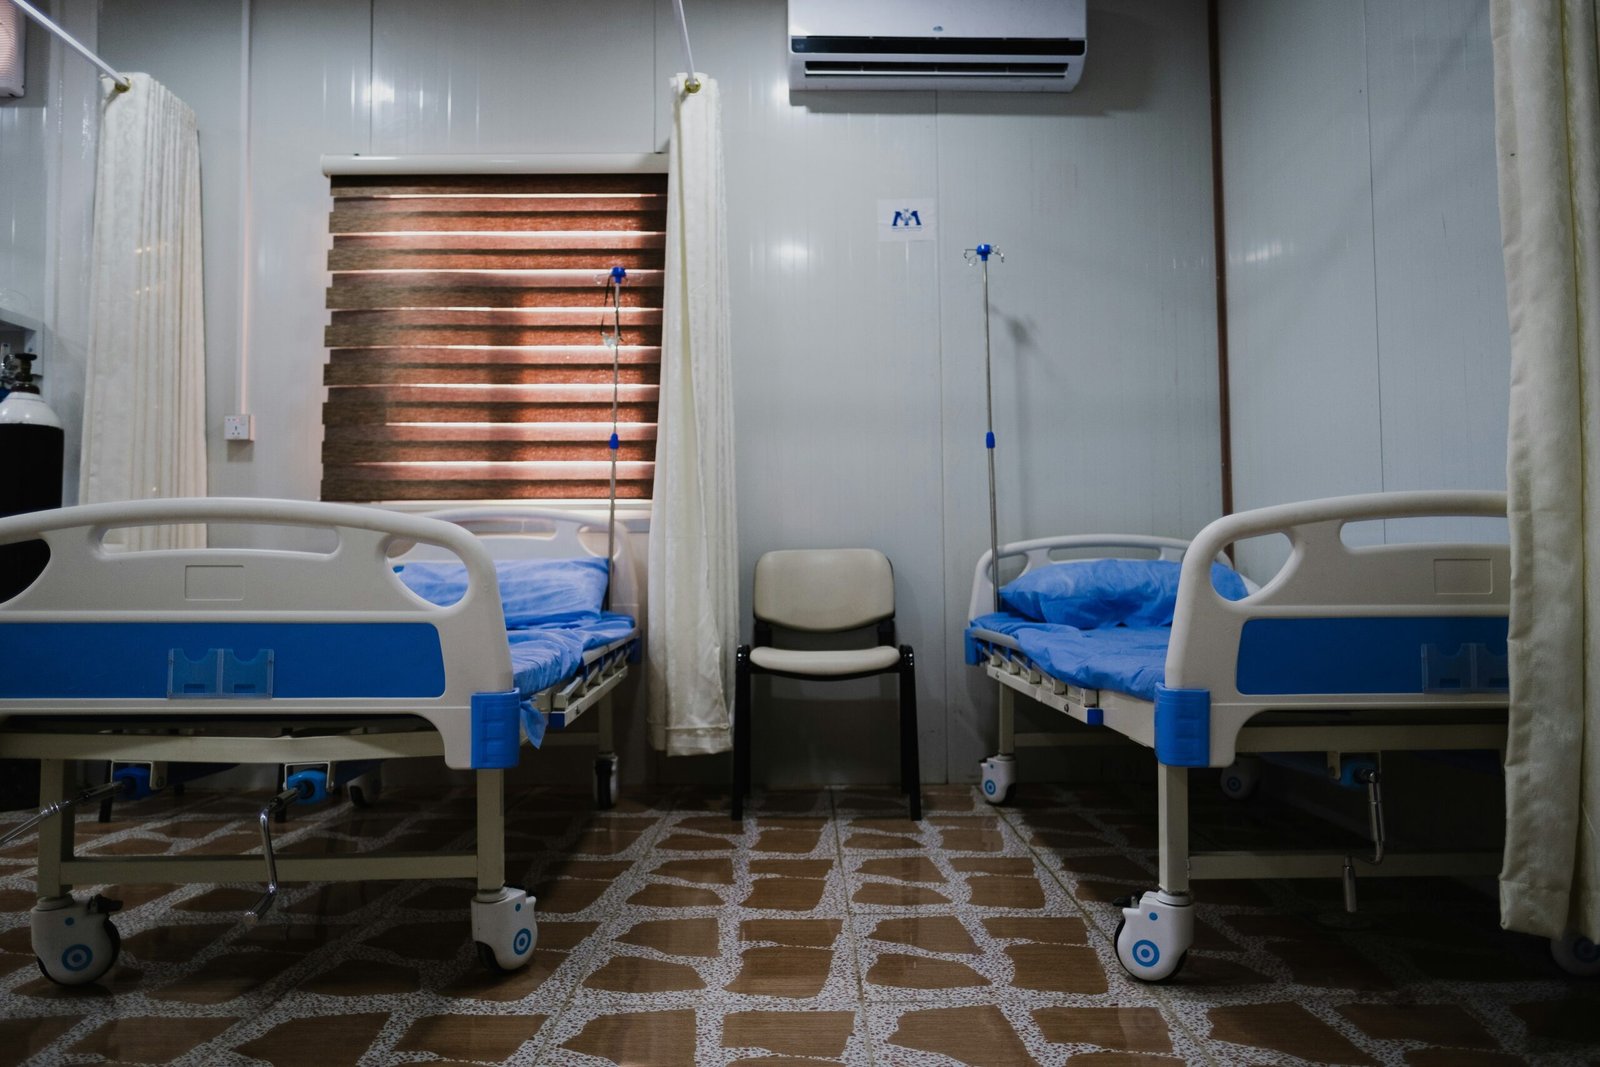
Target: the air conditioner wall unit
(13, 35)
(988, 45)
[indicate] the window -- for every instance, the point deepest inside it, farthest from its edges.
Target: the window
(466, 355)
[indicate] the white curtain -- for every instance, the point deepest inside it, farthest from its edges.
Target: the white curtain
(1547, 128)
(694, 558)
(144, 401)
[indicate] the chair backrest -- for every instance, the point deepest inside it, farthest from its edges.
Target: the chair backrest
(824, 590)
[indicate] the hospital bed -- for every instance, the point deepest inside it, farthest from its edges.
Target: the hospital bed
(1346, 652)
(317, 660)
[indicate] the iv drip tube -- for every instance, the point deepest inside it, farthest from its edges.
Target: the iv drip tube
(614, 280)
(980, 255)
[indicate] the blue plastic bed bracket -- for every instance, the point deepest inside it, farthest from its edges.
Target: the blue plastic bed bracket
(1183, 727)
(496, 729)
(988, 439)
(1094, 716)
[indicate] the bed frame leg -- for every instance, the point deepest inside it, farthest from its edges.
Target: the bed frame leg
(56, 836)
(1006, 719)
(491, 844)
(910, 759)
(1172, 793)
(741, 731)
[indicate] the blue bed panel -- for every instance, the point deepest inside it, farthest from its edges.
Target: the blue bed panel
(147, 660)
(1422, 654)
(496, 729)
(1183, 727)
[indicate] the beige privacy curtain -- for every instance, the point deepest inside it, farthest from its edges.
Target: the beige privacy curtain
(144, 403)
(694, 556)
(1547, 128)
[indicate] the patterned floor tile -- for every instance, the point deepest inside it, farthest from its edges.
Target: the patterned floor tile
(824, 927)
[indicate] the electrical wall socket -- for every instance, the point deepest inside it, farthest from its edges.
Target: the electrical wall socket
(238, 427)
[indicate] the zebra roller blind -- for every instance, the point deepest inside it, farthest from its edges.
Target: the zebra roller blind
(466, 358)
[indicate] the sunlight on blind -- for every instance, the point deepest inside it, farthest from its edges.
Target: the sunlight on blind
(466, 359)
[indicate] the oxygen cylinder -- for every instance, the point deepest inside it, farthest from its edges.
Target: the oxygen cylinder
(31, 449)
(32, 445)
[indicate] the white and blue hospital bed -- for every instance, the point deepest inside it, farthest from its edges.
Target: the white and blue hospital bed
(1346, 652)
(400, 636)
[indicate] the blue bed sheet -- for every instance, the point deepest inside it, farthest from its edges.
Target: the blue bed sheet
(541, 656)
(553, 616)
(1124, 659)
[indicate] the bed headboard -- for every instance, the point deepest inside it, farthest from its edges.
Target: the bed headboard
(1043, 551)
(511, 531)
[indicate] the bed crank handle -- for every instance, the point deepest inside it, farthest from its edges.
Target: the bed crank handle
(299, 791)
(61, 807)
(1373, 780)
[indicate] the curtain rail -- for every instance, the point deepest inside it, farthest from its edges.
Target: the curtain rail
(122, 83)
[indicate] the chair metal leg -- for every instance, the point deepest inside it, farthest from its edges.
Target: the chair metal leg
(741, 731)
(910, 762)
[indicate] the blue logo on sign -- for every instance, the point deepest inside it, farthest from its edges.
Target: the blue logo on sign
(906, 217)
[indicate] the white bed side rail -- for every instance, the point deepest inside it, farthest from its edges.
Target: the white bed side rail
(1325, 578)
(1042, 551)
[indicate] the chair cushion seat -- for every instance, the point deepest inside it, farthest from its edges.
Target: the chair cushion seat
(830, 663)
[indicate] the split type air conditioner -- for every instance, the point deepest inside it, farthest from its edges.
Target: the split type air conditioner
(13, 34)
(995, 45)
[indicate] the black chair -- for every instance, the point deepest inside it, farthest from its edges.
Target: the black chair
(825, 591)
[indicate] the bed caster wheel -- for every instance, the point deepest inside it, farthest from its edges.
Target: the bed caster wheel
(1240, 778)
(999, 778)
(606, 782)
(75, 942)
(1154, 936)
(1576, 954)
(504, 929)
(364, 789)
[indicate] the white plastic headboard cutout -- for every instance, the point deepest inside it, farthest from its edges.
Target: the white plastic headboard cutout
(535, 532)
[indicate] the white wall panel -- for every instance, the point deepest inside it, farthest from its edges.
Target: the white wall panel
(510, 76)
(1369, 343)
(24, 140)
(1442, 323)
(309, 96)
(1303, 344)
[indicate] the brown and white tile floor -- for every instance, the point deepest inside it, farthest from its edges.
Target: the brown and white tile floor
(827, 928)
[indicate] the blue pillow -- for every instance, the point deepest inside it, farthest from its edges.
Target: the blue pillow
(1093, 593)
(533, 592)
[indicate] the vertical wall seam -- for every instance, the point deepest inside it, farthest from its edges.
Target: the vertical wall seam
(944, 514)
(1220, 254)
(1372, 219)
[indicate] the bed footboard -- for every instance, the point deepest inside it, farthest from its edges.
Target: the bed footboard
(225, 632)
(1418, 626)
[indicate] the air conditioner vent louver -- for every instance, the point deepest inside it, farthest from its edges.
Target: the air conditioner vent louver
(1023, 45)
(922, 68)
